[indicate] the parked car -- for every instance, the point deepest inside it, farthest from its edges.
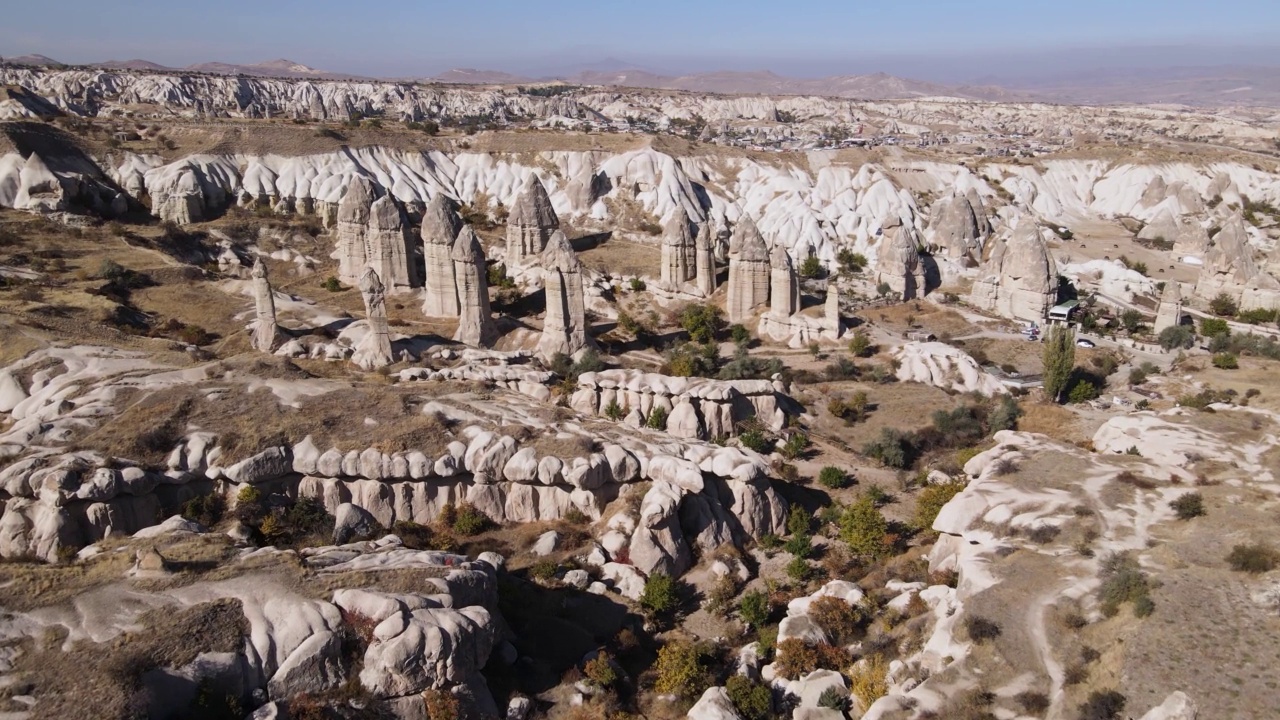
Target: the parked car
(1085, 343)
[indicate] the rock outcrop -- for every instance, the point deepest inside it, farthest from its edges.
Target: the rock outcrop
(940, 365)
(352, 228)
(440, 228)
(784, 287)
(748, 272)
(374, 349)
(695, 407)
(1020, 278)
(1169, 311)
(564, 328)
(1229, 268)
(387, 246)
(1188, 236)
(475, 320)
(266, 333)
(181, 200)
(898, 261)
(679, 263)
(705, 261)
(959, 228)
(530, 223)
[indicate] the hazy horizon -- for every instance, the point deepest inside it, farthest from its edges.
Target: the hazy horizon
(932, 40)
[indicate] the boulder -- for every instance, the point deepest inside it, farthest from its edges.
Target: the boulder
(352, 522)
(714, 705)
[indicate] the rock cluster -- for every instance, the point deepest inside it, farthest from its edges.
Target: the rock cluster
(374, 350)
(959, 228)
(373, 233)
(530, 223)
(749, 272)
(352, 226)
(1020, 278)
(898, 260)
(1188, 236)
(1229, 268)
(695, 407)
(475, 320)
(940, 365)
(564, 328)
(266, 333)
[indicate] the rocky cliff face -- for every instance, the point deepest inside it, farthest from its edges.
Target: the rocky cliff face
(1229, 268)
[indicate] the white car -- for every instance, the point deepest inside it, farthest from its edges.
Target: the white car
(1085, 343)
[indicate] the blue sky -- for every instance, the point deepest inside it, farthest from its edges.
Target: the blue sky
(813, 37)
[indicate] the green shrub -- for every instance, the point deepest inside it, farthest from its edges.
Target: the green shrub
(1214, 327)
(893, 449)
(599, 670)
(860, 344)
(543, 569)
(755, 439)
(657, 419)
(833, 478)
(679, 670)
(739, 334)
(1225, 361)
(702, 321)
(751, 699)
(753, 608)
(1101, 705)
(1223, 306)
(863, 528)
(811, 267)
(798, 520)
(206, 509)
(795, 446)
(799, 569)
(614, 411)
(851, 263)
(1082, 391)
(1254, 558)
(469, 521)
(930, 501)
(796, 658)
(800, 545)
(1122, 581)
(980, 629)
(661, 595)
(1188, 506)
(1177, 336)
(332, 284)
(637, 284)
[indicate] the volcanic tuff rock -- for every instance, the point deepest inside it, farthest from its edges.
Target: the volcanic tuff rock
(784, 288)
(388, 247)
(440, 227)
(564, 328)
(748, 271)
(266, 334)
(352, 230)
(959, 228)
(475, 320)
(705, 260)
(898, 264)
(1187, 235)
(1229, 268)
(678, 261)
(1169, 311)
(530, 223)
(1020, 278)
(374, 350)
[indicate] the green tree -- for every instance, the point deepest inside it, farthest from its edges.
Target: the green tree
(1223, 306)
(863, 527)
(1059, 360)
(702, 321)
(860, 344)
(811, 267)
(1214, 327)
(1177, 336)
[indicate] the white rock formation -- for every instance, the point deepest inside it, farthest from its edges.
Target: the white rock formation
(679, 263)
(1229, 268)
(475, 320)
(352, 250)
(784, 288)
(705, 261)
(898, 262)
(374, 350)
(1169, 311)
(564, 328)
(266, 333)
(387, 246)
(940, 365)
(530, 223)
(959, 228)
(1020, 278)
(748, 272)
(440, 227)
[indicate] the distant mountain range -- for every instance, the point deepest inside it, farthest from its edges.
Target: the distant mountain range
(1203, 86)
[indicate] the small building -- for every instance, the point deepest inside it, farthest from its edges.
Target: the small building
(1062, 312)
